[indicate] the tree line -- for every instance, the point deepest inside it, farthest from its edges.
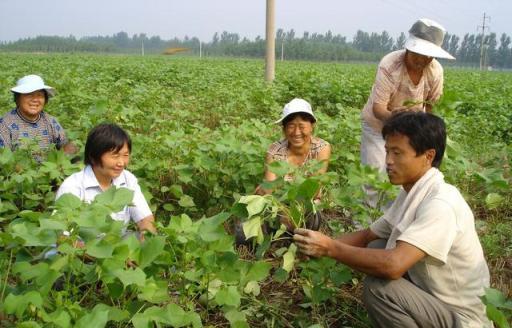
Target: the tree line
(364, 46)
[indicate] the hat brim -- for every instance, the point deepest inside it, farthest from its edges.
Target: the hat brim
(285, 116)
(24, 89)
(426, 48)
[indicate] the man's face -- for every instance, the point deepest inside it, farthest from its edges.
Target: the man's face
(31, 104)
(403, 165)
(113, 163)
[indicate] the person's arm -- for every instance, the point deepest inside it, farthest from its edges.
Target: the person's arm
(324, 155)
(381, 112)
(140, 212)
(70, 148)
(383, 263)
(359, 238)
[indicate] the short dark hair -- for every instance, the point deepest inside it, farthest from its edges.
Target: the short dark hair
(424, 130)
(16, 95)
(103, 138)
(302, 115)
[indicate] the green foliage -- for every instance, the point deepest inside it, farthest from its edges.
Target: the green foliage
(200, 129)
(498, 307)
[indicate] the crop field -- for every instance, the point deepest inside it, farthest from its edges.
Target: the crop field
(200, 129)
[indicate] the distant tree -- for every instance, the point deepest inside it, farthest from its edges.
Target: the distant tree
(453, 45)
(400, 42)
(504, 55)
(491, 49)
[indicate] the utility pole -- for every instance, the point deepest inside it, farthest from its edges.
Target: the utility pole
(200, 50)
(142, 47)
(270, 54)
(482, 45)
(282, 50)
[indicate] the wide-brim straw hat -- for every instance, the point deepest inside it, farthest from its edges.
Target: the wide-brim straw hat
(426, 38)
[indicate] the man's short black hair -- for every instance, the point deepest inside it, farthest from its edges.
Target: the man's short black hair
(424, 130)
(103, 138)
(302, 115)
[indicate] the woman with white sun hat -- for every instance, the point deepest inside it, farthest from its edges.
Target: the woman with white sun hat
(29, 122)
(407, 79)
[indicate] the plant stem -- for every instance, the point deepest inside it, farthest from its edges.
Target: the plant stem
(6, 277)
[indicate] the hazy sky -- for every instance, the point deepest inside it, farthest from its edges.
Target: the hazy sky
(202, 18)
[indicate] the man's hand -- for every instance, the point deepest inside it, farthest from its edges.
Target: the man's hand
(312, 243)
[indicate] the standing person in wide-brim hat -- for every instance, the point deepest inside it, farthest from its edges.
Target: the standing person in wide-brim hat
(410, 79)
(28, 122)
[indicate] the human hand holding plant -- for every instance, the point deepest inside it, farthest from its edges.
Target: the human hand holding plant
(312, 243)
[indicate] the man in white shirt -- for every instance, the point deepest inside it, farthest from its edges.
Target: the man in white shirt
(107, 153)
(432, 269)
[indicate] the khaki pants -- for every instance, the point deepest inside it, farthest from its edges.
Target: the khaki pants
(400, 303)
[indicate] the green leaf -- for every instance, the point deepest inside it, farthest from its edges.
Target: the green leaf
(493, 200)
(68, 201)
(339, 277)
(60, 318)
(51, 224)
(185, 173)
(308, 189)
(114, 314)
(320, 294)
(28, 324)
(211, 229)
(237, 319)
(171, 315)
(97, 318)
(129, 277)
(32, 235)
(252, 227)
(259, 271)
(280, 275)
(289, 258)
(496, 316)
(151, 248)
(494, 297)
(255, 204)
(115, 198)
(176, 190)
(99, 248)
(169, 207)
(6, 156)
(17, 304)
(252, 287)
(154, 291)
(186, 201)
(280, 168)
(228, 296)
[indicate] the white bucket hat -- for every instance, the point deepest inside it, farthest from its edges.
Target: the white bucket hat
(297, 105)
(426, 37)
(31, 83)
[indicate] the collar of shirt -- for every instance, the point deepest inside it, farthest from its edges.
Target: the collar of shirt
(90, 180)
(27, 120)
